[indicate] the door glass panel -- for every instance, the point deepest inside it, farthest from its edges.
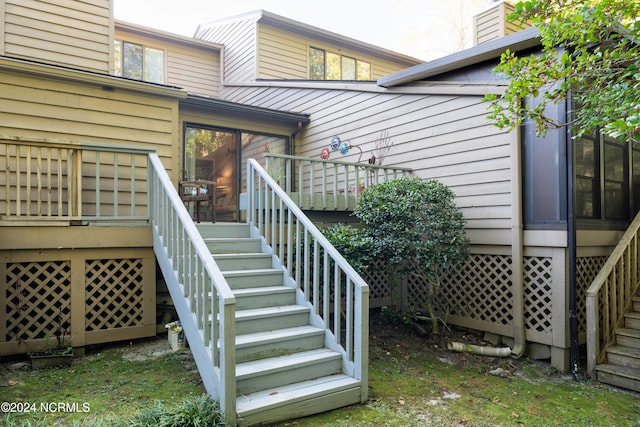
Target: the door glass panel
(254, 146)
(211, 155)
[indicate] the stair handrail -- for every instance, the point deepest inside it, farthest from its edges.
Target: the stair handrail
(201, 295)
(300, 245)
(610, 295)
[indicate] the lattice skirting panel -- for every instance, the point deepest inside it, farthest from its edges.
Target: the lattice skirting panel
(87, 296)
(587, 268)
(479, 295)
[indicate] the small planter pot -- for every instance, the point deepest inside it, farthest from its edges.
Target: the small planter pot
(176, 340)
(48, 359)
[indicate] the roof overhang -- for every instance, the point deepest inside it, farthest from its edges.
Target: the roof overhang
(166, 36)
(106, 81)
(246, 111)
(522, 40)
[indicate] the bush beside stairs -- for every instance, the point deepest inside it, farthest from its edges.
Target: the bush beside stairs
(284, 368)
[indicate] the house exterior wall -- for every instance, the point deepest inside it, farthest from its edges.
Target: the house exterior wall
(270, 48)
(441, 137)
(284, 54)
(239, 39)
(444, 135)
(78, 268)
(71, 33)
(70, 108)
(195, 68)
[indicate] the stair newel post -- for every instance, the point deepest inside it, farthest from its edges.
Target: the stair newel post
(228, 358)
(593, 335)
(361, 330)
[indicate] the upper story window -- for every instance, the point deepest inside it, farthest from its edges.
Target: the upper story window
(324, 65)
(607, 178)
(135, 61)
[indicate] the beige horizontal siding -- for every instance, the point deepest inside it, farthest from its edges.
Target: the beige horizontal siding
(284, 55)
(64, 32)
(281, 55)
(48, 109)
(193, 68)
(441, 137)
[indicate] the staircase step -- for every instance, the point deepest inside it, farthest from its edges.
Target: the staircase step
(233, 245)
(628, 337)
(297, 400)
(268, 296)
(246, 261)
(632, 320)
(282, 370)
(278, 342)
(223, 229)
(270, 318)
(624, 356)
(243, 279)
(619, 376)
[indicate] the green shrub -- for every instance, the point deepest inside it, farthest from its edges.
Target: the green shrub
(358, 248)
(418, 230)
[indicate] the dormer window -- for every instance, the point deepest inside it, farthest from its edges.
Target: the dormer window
(138, 62)
(325, 65)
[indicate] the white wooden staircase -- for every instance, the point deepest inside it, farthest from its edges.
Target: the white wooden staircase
(613, 315)
(282, 363)
(623, 358)
(276, 319)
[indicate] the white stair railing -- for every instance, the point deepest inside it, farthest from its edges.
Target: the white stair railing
(307, 176)
(337, 295)
(200, 293)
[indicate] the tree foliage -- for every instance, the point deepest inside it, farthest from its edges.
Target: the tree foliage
(590, 48)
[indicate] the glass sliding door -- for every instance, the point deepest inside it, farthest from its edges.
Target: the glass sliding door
(254, 146)
(220, 155)
(211, 155)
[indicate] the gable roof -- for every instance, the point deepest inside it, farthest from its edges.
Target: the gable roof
(311, 31)
(522, 40)
(166, 36)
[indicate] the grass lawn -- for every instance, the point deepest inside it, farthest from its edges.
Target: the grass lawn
(414, 381)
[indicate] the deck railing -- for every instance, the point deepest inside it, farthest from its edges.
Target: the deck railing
(303, 177)
(200, 292)
(62, 181)
(609, 296)
(337, 295)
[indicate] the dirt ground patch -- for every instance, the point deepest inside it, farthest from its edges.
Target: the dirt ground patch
(394, 337)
